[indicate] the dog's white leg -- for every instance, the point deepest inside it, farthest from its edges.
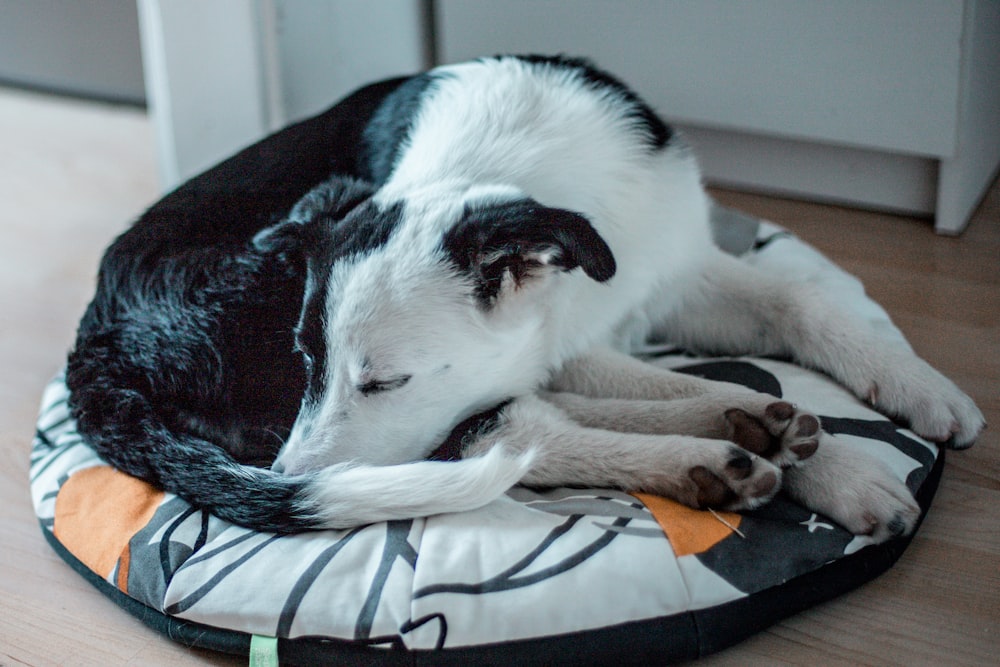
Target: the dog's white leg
(603, 372)
(849, 485)
(759, 423)
(698, 472)
(734, 308)
(643, 398)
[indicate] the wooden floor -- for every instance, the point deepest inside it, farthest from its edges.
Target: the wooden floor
(72, 175)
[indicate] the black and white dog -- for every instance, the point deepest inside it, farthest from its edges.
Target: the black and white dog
(494, 240)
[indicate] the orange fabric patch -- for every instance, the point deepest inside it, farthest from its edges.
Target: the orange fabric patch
(98, 510)
(690, 531)
(121, 580)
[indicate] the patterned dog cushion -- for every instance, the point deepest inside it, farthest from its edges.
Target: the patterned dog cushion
(564, 576)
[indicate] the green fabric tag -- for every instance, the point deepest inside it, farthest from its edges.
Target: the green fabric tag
(263, 651)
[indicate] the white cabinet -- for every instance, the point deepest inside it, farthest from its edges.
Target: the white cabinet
(892, 104)
(221, 74)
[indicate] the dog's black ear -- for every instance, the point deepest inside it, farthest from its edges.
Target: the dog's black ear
(283, 238)
(327, 203)
(504, 246)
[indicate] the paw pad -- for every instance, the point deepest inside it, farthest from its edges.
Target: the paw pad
(712, 491)
(749, 433)
(744, 482)
(780, 433)
(806, 425)
(741, 464)
(805, 449)
(781, 411)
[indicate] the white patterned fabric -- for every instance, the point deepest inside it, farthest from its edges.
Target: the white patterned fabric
(530, 565)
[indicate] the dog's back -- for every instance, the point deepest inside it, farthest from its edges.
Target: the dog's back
(569, 135)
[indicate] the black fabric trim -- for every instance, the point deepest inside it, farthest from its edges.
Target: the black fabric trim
(663, 640)
(188, 633)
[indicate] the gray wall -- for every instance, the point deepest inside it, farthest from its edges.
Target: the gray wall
(87, 47)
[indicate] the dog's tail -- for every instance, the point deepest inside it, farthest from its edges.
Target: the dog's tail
(344, 495)
(340, 496)
(124, 428)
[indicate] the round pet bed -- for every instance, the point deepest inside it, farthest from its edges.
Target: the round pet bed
(564, 576)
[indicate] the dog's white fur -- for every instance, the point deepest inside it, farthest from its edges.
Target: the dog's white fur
(503, 129)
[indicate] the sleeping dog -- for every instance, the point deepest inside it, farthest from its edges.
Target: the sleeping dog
(494, 239)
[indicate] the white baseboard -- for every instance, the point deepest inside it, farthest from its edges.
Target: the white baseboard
(853, 176)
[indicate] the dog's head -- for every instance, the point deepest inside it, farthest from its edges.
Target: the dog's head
(419, 312)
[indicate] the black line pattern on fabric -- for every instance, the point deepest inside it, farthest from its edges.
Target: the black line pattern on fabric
(61, 403)
(202, 538)
(886, 431)
(735, 370)
(603, 506)
(396, 641)
(156, 555)
(62, 422)
(654, 533)
(507, 580)
(305, 582)
(46, 434)
(57, 453)
(203, 590)
(396, 546)
(165, 564)
(410, 626)
(225, 547)
(592, 506)
(43, 439)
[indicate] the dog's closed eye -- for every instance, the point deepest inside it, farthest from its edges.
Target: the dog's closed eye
(379, 386)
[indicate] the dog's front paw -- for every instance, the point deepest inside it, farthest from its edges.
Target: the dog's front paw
(774, 429)
(856, 490)
(737, 480)
(934, 406)
(880, 507)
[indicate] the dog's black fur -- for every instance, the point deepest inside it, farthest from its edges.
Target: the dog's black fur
(185, 358)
